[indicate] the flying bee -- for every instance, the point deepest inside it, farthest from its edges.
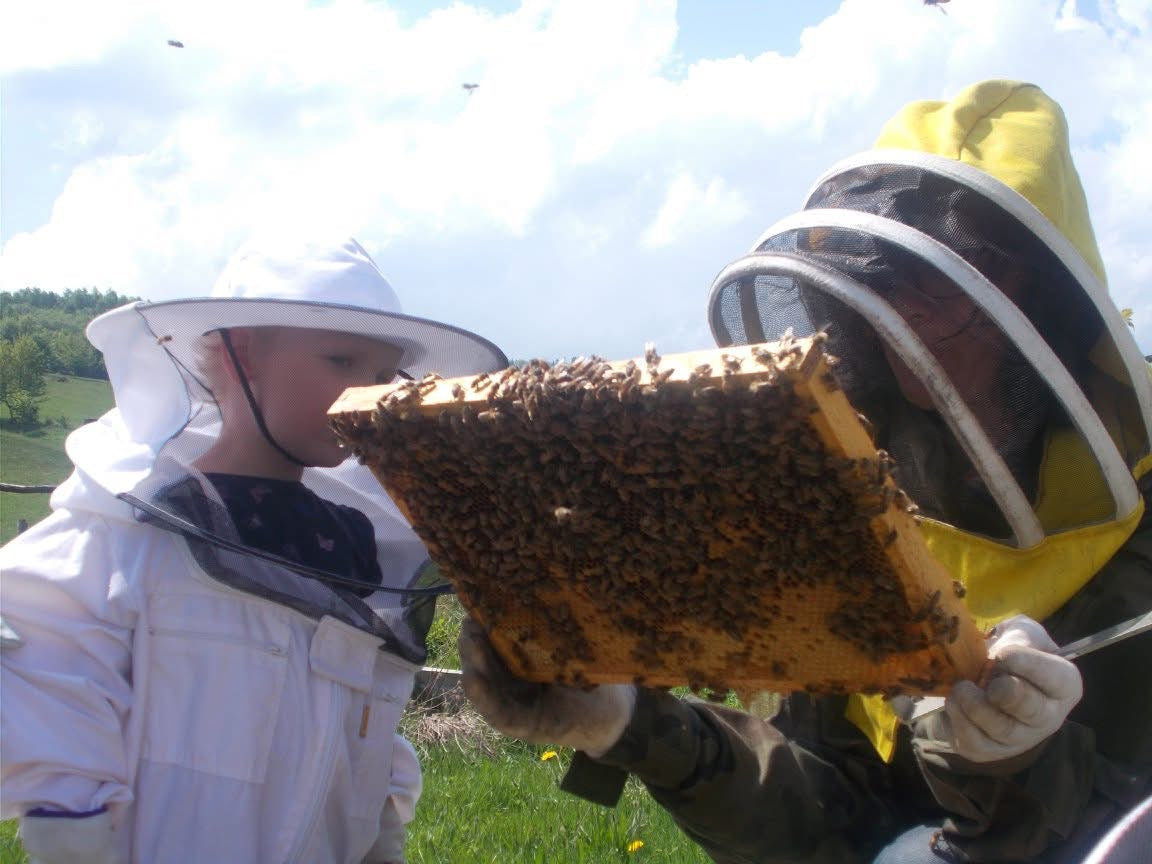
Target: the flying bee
(928, 608)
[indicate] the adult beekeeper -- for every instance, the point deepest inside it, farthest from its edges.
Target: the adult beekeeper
(209, 642)
(956, 274)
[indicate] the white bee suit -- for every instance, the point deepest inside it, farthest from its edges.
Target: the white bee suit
(128, 645)
(215, 724)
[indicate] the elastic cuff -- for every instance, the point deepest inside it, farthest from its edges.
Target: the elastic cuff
(594, 781)
(45, 813)
(61, 838)
(661, 742)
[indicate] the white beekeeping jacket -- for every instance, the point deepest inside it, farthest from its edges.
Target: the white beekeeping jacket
(213, 723)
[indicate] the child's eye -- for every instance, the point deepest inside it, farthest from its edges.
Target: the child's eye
(340, 360)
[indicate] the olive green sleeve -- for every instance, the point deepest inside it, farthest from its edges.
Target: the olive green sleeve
(736, 785)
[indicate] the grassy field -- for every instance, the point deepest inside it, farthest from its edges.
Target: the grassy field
(507, 807)
(36, 456)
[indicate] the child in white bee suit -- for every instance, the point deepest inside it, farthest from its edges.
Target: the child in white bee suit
(210, 641)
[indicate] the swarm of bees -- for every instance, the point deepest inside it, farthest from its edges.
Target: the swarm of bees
(719, 519)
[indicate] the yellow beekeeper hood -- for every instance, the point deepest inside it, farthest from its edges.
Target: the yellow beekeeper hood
(956, 272)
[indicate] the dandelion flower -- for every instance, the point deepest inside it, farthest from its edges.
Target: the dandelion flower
(635, 845)
(547, 754)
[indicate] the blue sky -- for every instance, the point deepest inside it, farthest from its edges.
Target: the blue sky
(707, 28)
(616, 155)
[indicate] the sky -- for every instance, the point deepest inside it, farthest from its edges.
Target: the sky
(614, 157)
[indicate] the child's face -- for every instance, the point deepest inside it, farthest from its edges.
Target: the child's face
(296, 375)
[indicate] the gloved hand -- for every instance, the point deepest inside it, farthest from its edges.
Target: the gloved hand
(66, 838)
(1026, 700)
(591, 720)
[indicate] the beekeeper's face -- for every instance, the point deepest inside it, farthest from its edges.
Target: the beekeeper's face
(965, 341)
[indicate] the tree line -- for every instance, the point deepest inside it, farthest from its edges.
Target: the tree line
(41, 334)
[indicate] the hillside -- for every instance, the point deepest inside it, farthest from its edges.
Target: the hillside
(36, 456)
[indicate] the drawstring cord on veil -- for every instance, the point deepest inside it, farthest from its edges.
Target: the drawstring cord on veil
(257, 414)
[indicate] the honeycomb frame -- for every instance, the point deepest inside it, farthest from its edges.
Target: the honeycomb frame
(719, 519)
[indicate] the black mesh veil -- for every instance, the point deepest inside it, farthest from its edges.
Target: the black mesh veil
(396, 603)
(916, 242)
(305, 318)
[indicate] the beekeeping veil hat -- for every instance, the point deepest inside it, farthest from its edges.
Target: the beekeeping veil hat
(165, 416)
(973, 208)
(150, 348)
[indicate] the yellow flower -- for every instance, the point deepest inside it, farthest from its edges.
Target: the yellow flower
(635, 844)
(547, 754)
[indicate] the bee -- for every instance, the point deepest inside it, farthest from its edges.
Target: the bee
(928, 608)
(953, 631)
(650, 355)
(939, 4)
(428, 383)
(163, 339)
(457, 392)
(763, 355)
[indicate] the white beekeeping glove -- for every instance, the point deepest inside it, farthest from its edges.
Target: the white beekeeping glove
(1026, 700)
(589, 720)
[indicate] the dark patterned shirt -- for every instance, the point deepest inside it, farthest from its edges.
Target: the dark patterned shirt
(288, 519)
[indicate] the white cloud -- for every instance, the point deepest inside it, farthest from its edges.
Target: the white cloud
(579, 200)
(689, 209)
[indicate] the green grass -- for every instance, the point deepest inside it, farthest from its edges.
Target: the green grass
(77, 399)
(11, 852)
(36, 456)
(507, 807)
(28, 461)
(443, 650)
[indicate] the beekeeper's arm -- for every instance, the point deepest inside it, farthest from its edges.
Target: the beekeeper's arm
(67, 692)
(734, 782)
(1082, 773)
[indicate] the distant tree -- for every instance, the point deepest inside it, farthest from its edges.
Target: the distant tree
(72, 354)
(56, 322)
(22, 366)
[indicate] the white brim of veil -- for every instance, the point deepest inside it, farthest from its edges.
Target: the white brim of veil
(150, 349)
